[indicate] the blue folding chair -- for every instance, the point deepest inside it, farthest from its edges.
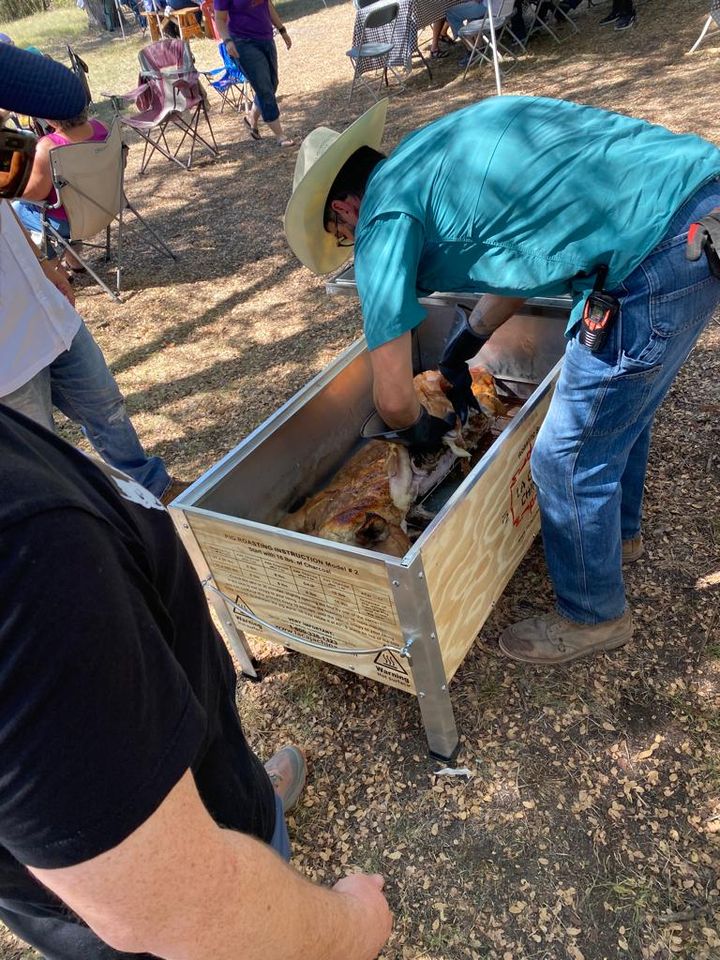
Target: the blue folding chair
(230, 82)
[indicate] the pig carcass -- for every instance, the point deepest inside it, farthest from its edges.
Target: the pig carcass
(367, 501)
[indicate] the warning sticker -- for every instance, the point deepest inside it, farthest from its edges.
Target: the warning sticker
(316, 595)
(523, 495)
(389, 661)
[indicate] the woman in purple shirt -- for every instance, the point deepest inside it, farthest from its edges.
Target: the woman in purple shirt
(246, 26)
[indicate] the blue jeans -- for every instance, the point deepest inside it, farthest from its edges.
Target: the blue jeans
(258, 61)
(461, 12)
(590, 458)
(29, 216)
(79, 384)
(280, 841)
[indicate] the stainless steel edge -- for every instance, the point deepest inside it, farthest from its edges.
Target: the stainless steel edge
(236, 638)
(415, 612)
(302, 539)
(271, 424)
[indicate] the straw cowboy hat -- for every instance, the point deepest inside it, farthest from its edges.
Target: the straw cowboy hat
(321, 156)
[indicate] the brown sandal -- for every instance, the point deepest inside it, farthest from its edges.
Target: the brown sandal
(254, 132)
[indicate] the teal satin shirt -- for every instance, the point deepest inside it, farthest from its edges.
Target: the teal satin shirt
(517, 196)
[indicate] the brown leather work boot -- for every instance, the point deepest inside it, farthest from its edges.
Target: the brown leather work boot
(552, 638)
(287, 770)
(175, 488)
(633, 549)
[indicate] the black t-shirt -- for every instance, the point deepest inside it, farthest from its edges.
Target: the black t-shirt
(113, 680)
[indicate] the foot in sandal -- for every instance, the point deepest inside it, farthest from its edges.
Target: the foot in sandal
(254, 132)
(285, 142)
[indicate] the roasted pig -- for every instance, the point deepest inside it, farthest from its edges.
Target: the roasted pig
(367, 501)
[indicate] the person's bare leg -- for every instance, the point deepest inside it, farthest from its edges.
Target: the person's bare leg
(280, 136)
(436, 31)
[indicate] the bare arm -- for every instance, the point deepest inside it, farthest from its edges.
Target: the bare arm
(221, 22)
(51, 268)
(182, 888)
(278, 24)
(40, 181)
(393, 390)
(492, 311)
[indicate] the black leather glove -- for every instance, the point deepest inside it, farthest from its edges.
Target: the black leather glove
(423, 436)
(705, 235)
(461, 345)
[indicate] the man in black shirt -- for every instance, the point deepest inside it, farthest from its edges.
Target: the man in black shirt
(120, 748)
(134, 819)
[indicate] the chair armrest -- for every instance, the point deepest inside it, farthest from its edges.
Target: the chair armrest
(130, 95)
(165, 75)
(212, 73)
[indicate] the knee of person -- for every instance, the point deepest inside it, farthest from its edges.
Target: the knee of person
(117, 412)
(545, 464)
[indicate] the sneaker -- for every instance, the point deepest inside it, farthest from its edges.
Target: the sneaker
(624, 23)
(633, 549)
(173, 490)
(287, 770)
(552, 638)
(610, 18)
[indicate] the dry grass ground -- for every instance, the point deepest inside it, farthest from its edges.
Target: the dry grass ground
(590, 825)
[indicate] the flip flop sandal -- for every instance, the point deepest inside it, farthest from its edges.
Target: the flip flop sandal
(285, 142)
(438, 54)
(254, 132)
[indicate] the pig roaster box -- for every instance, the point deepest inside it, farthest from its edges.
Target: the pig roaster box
(406, 622)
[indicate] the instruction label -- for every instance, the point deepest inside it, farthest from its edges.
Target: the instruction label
(310, 594)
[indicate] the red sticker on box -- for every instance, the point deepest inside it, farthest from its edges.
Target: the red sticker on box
(523, 495)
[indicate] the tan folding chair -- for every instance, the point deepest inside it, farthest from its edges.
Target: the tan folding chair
(89, 182)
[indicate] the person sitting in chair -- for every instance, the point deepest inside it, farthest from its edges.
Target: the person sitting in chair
(40, 188)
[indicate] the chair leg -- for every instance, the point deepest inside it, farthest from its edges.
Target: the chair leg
(557, 9)
(118, 268)
(426, 62)
(700, 39)
(191, 129)
(352, 85)
(96, 278)
(156, 240)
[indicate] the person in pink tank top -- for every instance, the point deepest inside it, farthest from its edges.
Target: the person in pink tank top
(39, 187)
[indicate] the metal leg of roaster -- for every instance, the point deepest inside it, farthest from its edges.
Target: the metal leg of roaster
(425, 658)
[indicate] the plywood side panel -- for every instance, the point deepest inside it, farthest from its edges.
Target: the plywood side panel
(474, 551)
(316, 594)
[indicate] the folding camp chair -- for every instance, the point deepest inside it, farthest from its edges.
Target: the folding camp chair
(169, 89)
(373, 52)
(540, 16)
(477, 37)
(230, 82)
(89, 181)
(713, 17)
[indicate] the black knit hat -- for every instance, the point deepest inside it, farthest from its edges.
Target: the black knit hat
(38, 86)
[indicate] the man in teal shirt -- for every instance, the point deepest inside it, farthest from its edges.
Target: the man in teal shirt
(519, 197)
